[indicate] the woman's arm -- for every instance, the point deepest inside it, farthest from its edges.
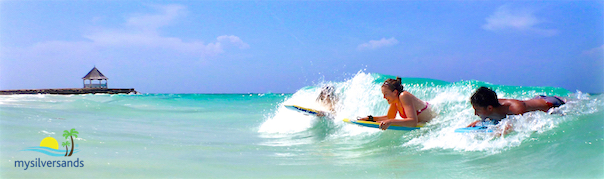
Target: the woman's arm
(399, 122)
(391, 115)
(411, 119)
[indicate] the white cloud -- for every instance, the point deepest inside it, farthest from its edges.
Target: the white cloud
(142, 30)
(506, 18)
(595, 52)
(375, 44)
(139, 32)
(234, 40)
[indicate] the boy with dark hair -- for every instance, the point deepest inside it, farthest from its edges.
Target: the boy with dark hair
(487, 105)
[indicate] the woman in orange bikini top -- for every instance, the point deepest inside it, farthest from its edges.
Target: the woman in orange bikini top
(411, 109)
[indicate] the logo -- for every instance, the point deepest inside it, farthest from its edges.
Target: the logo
(49, 146)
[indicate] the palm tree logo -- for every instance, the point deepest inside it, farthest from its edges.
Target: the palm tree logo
(69, 134)
(66, 143)
(50, 146)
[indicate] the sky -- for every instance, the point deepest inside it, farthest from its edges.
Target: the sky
(282, 46)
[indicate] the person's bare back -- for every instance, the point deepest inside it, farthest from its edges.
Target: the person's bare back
(521, 107)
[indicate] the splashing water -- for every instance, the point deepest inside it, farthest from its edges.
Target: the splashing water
(361, 96)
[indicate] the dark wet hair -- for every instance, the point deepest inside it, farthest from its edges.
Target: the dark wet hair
(393, 84)
(484, 97)
(329, 91)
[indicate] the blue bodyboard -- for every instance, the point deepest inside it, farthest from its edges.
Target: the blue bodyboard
(477, 129)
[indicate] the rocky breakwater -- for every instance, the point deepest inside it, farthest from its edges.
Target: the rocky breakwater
(67, 91)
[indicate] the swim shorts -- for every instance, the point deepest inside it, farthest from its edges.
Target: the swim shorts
(552, 101)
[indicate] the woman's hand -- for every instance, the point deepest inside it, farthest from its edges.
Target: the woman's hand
(385, 124)
(368, 118)
(321, 114)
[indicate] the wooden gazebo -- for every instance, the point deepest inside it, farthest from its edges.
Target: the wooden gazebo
(95, 74)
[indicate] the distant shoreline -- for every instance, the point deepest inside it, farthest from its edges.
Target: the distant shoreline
(68, 91)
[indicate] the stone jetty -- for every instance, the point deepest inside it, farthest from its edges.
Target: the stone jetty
(89, 88)
(67, 91)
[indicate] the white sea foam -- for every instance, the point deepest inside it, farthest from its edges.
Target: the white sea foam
(361, 96)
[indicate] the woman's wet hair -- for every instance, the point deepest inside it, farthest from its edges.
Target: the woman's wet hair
(394, 84)
(328, 91)
(484, 97)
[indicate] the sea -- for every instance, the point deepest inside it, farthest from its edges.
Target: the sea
(255, 136)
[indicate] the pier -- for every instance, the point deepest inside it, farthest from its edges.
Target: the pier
(68, 91)
(89, 88)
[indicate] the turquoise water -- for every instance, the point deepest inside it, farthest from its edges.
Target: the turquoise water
(254, 136)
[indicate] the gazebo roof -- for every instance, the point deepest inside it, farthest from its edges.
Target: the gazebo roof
(95, 74)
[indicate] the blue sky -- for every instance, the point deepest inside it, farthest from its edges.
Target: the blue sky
(281, 46)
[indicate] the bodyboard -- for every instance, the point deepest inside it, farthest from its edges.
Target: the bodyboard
(302, 109)
(377, 125)
(477, 129)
